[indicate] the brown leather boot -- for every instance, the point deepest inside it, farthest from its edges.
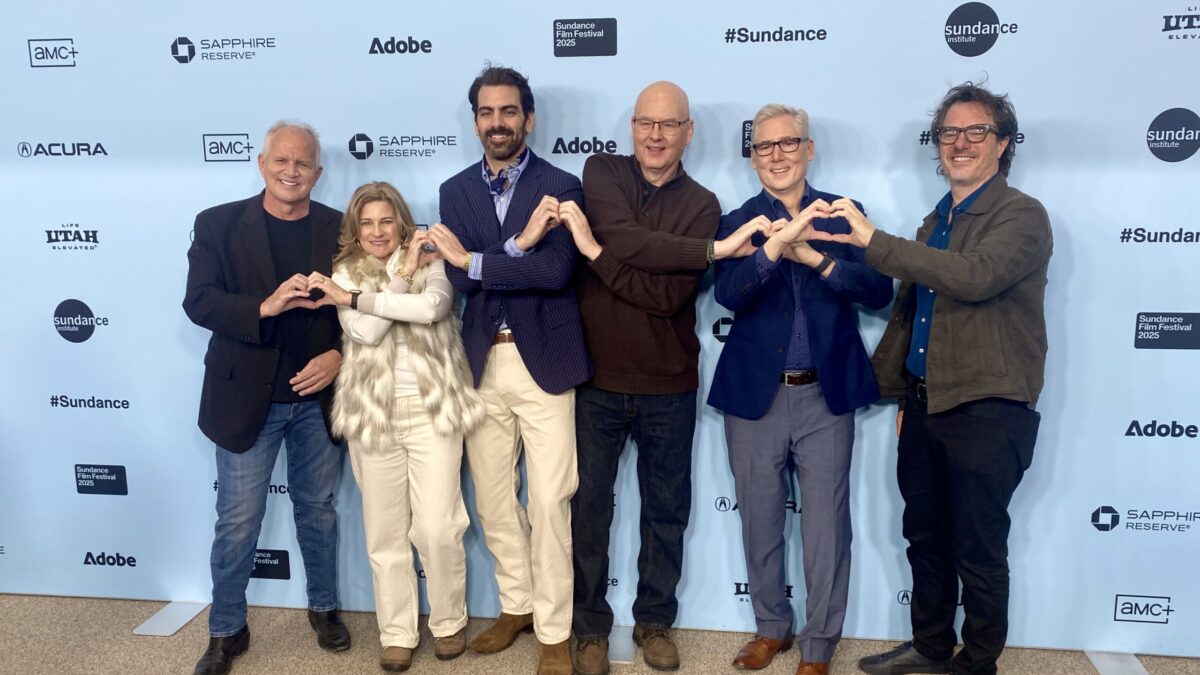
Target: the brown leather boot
(502, 633)
(658, 649)
(451, 646)
(555, 659)
(395, 659)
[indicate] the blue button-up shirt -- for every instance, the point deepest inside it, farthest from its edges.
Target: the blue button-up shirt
(799, 352)
(918, 348)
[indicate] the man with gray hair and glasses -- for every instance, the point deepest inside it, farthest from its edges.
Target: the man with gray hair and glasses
(791, 374)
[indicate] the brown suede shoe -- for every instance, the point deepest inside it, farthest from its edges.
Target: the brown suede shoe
(658, 650)
(395, 659)
(758, 653)
(809, 668)
(451, 646)
(591, 657)
(502, 633)
(555, 659)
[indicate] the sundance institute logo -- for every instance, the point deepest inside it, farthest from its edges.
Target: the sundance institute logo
(1174, 135)
(973, 28)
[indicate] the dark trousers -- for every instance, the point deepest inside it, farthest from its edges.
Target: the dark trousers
(957, 471)
(662, 426)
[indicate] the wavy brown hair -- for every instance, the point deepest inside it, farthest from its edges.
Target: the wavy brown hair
(378, 191)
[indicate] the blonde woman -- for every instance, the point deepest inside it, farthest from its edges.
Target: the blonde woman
(403, 400)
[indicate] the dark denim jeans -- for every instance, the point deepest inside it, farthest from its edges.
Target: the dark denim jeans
(662, 426)
(313, 462)
(958, 470)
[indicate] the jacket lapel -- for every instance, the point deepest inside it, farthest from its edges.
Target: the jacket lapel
(484, 224)
(253, 226)
(525, 197)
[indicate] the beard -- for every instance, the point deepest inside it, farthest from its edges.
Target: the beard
(502, 144)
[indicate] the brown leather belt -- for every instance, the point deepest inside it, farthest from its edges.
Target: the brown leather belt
(503, 337)
(798, 377)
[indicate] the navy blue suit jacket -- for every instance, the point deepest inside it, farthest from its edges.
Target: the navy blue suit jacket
(747, 375)
(533, 293)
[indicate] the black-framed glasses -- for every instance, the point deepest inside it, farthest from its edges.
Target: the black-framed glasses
(669, 127)
(789, 144)
(975, 133)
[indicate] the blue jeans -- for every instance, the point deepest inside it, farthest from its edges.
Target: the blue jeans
(313, 464)
(662, 427)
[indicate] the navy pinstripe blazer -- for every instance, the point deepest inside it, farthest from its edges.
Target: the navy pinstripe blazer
(534, 291)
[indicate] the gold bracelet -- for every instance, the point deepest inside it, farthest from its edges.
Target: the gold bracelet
(409, 279)
(467, 263)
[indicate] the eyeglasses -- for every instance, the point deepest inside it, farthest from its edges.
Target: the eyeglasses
(669, 127)
(790, 144)
(975, 133)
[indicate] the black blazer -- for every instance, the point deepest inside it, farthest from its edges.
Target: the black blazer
(230, 273)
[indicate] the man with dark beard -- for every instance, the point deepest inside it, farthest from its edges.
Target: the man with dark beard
(524, 343)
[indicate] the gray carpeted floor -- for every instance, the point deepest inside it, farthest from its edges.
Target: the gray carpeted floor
(95, 637)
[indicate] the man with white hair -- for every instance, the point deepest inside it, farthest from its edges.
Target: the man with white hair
(267, 374)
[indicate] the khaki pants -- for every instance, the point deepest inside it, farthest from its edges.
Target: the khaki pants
(532, 548)
(412, 496)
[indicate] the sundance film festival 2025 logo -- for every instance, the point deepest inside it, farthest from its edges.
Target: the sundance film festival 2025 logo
(75, 321)
(72, 237)
(101, 479)
(52, 52)
(55, 149)
(184, 50)
(271, 564)
(1167, 330)
(973, 28)
(404, 146)
(227, 148)
(585, 37)
(1143, 608)
(1183, 26)
(1142, 520)
(396, 45)
(1174, 135)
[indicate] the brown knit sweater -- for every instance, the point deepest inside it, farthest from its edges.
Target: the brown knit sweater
(637, 299)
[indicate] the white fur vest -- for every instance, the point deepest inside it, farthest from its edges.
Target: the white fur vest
(364, 390)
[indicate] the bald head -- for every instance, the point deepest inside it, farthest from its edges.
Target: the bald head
(663, 98)
(662, 128)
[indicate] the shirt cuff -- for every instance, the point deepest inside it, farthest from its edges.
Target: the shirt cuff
(475, 271)
(836, 279)
(764, 264)
(511, 248)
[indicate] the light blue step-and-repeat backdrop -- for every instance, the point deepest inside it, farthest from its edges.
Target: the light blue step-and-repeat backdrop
(121, 122)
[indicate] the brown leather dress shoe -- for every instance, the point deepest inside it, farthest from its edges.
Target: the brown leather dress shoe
(809, 668)
(757, 653)
(451, 646)
(502, 633)
(555, 659)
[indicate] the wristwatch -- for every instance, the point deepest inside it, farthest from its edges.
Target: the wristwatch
(354, 299)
